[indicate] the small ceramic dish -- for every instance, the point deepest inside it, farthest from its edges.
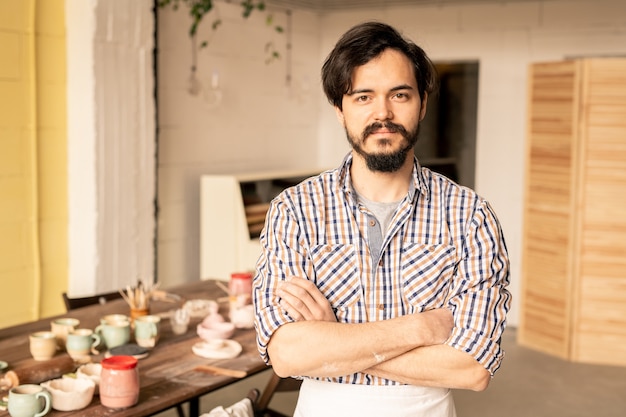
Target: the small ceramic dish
(70, 393)
(201, 308)
(129, 349)
(217, 349)
(3, 365)
(215, 330)
(92, 372)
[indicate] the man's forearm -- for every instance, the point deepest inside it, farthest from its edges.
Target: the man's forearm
(434, 366)
(327, 349)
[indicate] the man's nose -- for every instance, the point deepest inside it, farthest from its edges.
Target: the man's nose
(383, 110)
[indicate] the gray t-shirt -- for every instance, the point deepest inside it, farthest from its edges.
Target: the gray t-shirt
(383, 212)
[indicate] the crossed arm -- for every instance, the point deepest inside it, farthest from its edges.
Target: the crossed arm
(407, 349)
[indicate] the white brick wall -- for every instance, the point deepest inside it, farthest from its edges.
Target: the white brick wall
(260, 123)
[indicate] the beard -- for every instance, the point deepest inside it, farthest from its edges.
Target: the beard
(385, 161)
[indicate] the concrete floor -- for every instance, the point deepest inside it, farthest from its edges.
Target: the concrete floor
(529, 384)
(532, 384)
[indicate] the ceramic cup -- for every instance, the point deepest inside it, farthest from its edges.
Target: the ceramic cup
(179, 321)
(147, 330)
(243, 317)
(114, 332)
(114, 317)
(81, 343)
(29, 400)
(61, 327)
(43, 345)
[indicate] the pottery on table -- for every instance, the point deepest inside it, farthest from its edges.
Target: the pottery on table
(209, 330)
(147, 330)
(92, 372)
(42, 345)
(70, 393)
(61, 327)
(179, 320)
(29, 400)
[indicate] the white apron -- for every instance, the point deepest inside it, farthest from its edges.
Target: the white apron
(328, 399)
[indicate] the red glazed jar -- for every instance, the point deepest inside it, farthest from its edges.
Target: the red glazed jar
(240, 287)
(119, 382)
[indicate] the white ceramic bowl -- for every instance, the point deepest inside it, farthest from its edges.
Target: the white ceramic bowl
(92, 372)
(201, 308)
(70, 393)
(215, 330)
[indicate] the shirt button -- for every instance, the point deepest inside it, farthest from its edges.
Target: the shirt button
(372, 223)
(381, 307)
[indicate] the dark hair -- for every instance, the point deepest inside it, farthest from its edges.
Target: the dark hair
(363, 43)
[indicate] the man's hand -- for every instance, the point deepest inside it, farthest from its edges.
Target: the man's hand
(437, 325)
(304, 301)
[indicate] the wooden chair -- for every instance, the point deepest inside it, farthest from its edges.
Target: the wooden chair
(74, 303)
(262, 400)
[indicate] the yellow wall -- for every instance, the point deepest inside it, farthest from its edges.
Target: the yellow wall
(52, 152)
(33, 160)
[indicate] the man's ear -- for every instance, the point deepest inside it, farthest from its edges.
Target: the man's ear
(340, 117)
(424, 105)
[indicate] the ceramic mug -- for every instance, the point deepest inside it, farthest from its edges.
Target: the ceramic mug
(179, 321)
(43, 345)
(242, 317)
(29, 400)
(61, 327)
(114, 317)
(147, 330)
(81, 343)
(114, 332)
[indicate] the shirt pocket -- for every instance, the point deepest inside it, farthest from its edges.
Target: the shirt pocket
(337, 276)
(427, 275)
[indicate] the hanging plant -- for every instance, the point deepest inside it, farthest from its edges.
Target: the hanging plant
(198, 9)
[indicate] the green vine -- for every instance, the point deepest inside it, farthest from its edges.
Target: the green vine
(198, 9)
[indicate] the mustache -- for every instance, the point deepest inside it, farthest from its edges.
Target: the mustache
(390, 126)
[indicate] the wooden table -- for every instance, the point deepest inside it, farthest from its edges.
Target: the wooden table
(167, 376)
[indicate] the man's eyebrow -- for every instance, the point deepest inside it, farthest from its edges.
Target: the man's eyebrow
(402, 87)
(369, 90)
(359, 91)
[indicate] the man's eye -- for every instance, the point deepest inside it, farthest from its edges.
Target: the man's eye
(362, 98)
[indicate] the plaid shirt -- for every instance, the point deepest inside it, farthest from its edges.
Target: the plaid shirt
(444, 248)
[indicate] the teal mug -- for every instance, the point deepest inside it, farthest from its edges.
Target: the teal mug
(81, 343)
(147, 330)
(114, 332)
(29, 400)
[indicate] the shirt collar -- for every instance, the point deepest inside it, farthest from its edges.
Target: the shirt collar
(419, 182)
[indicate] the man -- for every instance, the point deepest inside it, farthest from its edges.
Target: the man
(381, 283)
